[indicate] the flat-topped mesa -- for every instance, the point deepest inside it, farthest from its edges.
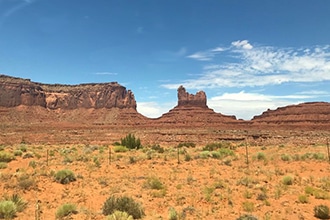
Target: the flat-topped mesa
(186, 99)
(17, 91)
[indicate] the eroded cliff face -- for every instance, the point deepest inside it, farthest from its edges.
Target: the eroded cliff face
(308, 114)
(16, 91)
(186, 99)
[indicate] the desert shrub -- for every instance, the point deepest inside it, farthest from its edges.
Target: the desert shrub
(287, 180)
(247, 217)
(123, 204)
(3, 165)
(187, 144)
(28, 155)
(303, 198)
(33, 164)
(131, 142)
(318, 156)
(225, 152)
(119, 215)
(285, 157)
(65, 210)
(25, 181)
(154, 183)
(217, 145)
(172, 214)
(317, 193)
(321, 212)
(8, 209)
(2, 147)
(22, 148)
(248, 206)
(204, 154)
(187, 157)
(158, 148)
(18, 201)
(261, 156)
(120, 148)
(65, 176)
(18, 153)
(6, 156)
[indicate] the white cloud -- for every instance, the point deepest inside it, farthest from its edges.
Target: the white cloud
(200, 56)
(106, 73)
(259, 66)
(246, 105)
(153, 109)
(242, 44)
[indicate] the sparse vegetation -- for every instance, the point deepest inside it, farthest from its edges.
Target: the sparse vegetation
(124, 204)
(8, 209)
(65, 176)
(321, 212)
(120, 148)
(6, 156)
(287, 180)
(66, 210)
(119, 215)
(131, 142)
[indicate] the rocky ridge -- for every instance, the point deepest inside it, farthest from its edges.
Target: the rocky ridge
(16, 91)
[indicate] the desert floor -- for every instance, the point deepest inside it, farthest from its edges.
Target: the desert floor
(278, 182)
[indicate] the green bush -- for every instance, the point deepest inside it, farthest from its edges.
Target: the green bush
(215, 146)
(154, 183)
(6, 156)
(173, 215)
(65, 176)
(287, 180)
(261, 156)
(18, 153)
(8, 209)
(248, 206)
(303, 198)
(247, 217)
(123, 204)
(321, 212)
(131, 142)
(158, 148)
(25, 181)
(120, 148)
(65, 210)
(18, 201)
(187, 144)
(285, 157)
(3, 165)
(119, 215)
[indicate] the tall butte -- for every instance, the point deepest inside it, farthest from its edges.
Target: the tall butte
(192, 110)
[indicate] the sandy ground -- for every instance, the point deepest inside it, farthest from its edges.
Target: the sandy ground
(200, 188)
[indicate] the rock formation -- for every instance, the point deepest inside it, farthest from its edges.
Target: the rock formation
(310, 114)
(193, 109)
(186, 99)
(16, 91)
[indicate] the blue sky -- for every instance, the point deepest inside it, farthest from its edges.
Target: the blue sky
(247, 56)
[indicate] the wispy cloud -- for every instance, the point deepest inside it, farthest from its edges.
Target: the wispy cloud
(259, 66)
(154, 109)
(245, 105)
(106, 73)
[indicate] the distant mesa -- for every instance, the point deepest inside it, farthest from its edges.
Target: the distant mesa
(111, 103)
(17, 91)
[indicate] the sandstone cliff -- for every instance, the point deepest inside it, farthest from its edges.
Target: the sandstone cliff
(310, 114)
(193, 110)
(16, 91)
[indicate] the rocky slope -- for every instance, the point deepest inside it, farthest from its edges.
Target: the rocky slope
(317, 113)
(193, 110)
(16, 91)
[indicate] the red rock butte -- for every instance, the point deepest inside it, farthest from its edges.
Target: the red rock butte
(102, 112)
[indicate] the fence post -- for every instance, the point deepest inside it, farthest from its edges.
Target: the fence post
(247, 154)
(328, 150)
